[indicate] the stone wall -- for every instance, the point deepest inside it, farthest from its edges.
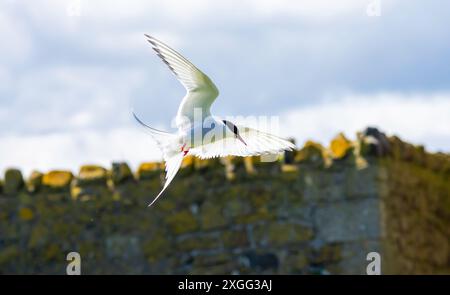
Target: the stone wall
(415, 204)
(315, 211)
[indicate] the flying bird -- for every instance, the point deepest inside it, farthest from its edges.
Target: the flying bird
(199, 133)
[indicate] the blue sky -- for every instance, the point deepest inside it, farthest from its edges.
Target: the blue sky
(71, 71)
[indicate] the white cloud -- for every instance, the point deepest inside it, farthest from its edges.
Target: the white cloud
(5, 79)
(69, 150)
(16, 44)
(63, 97)
(417, 118)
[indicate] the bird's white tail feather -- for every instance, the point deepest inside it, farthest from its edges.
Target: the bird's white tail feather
(172, 154)
(172, 166)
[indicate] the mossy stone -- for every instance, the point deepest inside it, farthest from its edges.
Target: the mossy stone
(235, 238)
(120, 172)
(13, 181)
(26, 214)
(277, 234)
(182, 222)
(211, 216)
(312, 153)
(35, 181)
(157, 247)
(9, 254)
(195, 243)
(328, 254)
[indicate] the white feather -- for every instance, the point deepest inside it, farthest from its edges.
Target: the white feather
(201, 91)
(257, 143)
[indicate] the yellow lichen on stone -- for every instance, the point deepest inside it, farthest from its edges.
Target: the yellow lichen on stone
(37, 236)
(340, 146)
(52, 252)
(75, 191)
(200, 163)
(248, 163)
(281, 233)
(13, 181)
(229, 167)
(9, 254)
(148, 170)
(157, 247)
(120, 172)
(57, 178)
(35, 181)
(187, 161)
(149, 166)
(311, 151)
(182, 222)
(91, 172)
(289, 168)
(26, 214)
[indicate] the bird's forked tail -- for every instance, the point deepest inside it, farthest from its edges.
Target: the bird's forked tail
(172, 154)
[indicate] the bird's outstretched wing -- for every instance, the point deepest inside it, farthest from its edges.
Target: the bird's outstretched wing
(201, 91)
(256, 143)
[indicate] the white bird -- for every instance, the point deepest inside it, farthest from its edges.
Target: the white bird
(199, 133)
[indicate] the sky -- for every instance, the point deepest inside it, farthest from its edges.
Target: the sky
(71, 72)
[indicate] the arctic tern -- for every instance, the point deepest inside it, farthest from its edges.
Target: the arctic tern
(199, 133)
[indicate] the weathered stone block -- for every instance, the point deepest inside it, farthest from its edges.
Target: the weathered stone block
(57, 180)
(198, 242)
(120, 172)
(373, 142)
(328, 254)
(259, 261)
(236, 207)
(182, 222)
(35, 181)
(277, 234)
(9, 254)
(353, 258)
(13, 181)
(294, 261)
(149, 170)
(212, 216)
(235, 238)
(26, 214)
(91, 174)
(122, 246)
(261, 214)
(39, 236)
(348, 221)
(312, 153)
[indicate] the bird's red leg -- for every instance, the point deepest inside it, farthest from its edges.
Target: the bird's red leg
(184, 151)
